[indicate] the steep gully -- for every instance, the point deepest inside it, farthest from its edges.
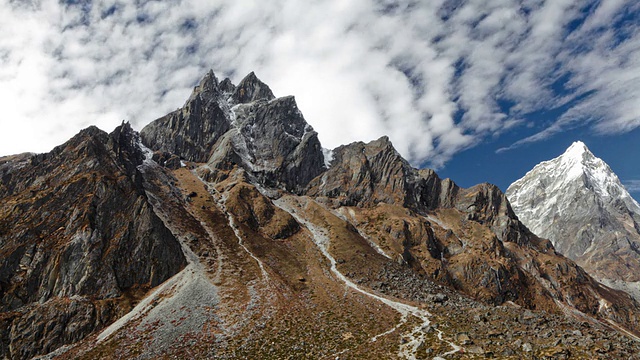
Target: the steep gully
(194, 277)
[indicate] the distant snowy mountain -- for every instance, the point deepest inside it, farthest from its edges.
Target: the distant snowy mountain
(579, 203)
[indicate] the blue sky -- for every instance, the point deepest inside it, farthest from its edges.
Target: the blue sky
(482, 164)
(481, 90)
(511, 155)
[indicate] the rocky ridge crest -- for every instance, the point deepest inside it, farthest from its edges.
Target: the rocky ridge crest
(239, 242)
(222, 124)
(366, 176)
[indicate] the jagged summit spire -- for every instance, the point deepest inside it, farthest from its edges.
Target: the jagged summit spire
(209, 81)
(207, 87)
(251, 89)
(210, 76)
(269, 137)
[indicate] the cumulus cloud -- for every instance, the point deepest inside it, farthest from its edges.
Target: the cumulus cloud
(436, 76)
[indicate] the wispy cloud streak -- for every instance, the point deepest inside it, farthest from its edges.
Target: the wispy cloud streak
(633, 186)
(436, 78)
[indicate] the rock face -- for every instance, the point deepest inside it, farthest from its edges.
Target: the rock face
(225, 125)
(577, 202)
(470, 238)
(79, 241)
(367, 174)
(191, 131)
(229, 235)
(250, 89)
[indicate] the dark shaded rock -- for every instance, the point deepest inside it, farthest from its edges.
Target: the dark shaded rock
(191, 131)
(251, 89)
(42, 328)
(81, 226)
(277, 145)
(167, 160)
(268, 137)
(173, 163)
(227, 86)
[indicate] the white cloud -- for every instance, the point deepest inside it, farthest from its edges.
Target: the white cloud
(633, 186)
(435, 78)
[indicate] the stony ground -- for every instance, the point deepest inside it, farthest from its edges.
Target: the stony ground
(245, 295)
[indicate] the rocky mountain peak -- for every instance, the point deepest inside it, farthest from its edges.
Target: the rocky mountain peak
(251, 89)
(364, 174)
(243, 126)
(579, 203)
(99, 146)
(382, 144)
(235, 236)
(124, 143)
(191, 131)
(275, 143)
(79, 241)
(207, 88)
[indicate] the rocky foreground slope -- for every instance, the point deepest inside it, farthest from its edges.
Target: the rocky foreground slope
(578, 202)
(223, 234)
(79, 241)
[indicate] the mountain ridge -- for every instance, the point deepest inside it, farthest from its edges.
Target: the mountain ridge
(265, 240)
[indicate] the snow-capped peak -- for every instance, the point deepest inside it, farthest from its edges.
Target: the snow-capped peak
(553, 188)
(578, 202)
(576, 164)
(576, 151)
(596, 175)
(578, 154)
(577, 161)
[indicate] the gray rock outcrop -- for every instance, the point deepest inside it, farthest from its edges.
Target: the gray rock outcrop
(191, 131)
(366, 174)
(226, 125)
(76, 224)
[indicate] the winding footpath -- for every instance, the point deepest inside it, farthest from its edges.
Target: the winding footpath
(416, 336)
